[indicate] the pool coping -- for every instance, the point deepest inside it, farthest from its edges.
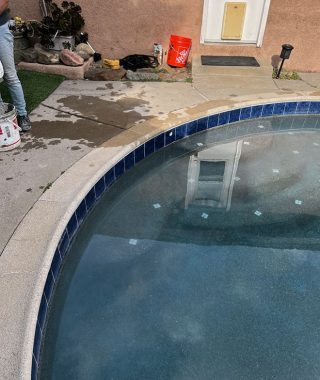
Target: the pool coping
(53, 220)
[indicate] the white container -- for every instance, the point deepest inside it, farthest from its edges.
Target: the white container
(64, 42)
(158, 52)
(9, 129)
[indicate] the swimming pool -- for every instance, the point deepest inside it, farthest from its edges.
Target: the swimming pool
(200, 262)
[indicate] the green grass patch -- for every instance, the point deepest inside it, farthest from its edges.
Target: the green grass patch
(36, 87)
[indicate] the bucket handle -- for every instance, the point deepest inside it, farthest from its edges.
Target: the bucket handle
(14, 124)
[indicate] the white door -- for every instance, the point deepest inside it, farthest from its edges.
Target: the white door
(254, 21)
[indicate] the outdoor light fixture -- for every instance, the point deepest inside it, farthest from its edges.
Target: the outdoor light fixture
(285, 54)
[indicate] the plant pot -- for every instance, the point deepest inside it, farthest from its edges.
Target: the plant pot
(64, 42)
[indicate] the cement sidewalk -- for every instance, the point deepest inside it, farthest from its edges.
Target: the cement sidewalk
(81, 115)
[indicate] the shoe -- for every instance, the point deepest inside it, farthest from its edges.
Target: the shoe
(24, 123)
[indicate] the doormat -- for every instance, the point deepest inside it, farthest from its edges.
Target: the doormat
(215, 60)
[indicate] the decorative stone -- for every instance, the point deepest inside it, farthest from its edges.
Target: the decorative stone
(146, 70)
(29, 55)
(70, 58)
(84, 47)
(105, 74)
(38, 47)
(83, 54)
(141, 76)
(46, 57)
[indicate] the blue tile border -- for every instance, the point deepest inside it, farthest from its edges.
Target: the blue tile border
(138, 154)
(202, 124)
(245, 113)
(142, 151)
(170, 137)
(90, 199)
(181, 132)
(223, 118)
(278, 109)
(192, 127)
(256, 111)
(119, 169)
(267, 110)
(314, 108)
(235, 116)
(290, 108)
(128, 163)
(159, 142)
(149, 147)
(213, 120)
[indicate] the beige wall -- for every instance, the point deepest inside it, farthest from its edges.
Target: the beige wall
(118, 28)
(28, 9)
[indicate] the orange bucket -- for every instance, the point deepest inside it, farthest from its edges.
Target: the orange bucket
(179, 50)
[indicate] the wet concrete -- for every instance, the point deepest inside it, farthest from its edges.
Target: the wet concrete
(92, 134)
(30, 142)
(120, 113)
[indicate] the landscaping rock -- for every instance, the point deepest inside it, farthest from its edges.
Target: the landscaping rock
(84, 47)
(105, 74)
(84, 55)
(70, 58)
(141, 76)
(146, 70)
(46, 57)
(29, 55)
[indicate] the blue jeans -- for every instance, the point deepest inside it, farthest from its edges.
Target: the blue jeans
(10, 74)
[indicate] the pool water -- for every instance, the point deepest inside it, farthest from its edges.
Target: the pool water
(202, 262)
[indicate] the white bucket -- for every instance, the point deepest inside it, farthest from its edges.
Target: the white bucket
(9, 129)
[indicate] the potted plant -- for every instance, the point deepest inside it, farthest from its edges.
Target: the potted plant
(18, 29)
(33, 32)
(59, 28)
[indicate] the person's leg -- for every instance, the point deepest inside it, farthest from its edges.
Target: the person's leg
(10, 76)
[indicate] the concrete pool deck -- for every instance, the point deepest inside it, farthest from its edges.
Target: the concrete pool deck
(80, 131)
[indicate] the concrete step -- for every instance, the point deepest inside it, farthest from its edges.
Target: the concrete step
(199, 70)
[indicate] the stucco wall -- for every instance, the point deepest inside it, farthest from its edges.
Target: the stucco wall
(28, 9)
(118, 28)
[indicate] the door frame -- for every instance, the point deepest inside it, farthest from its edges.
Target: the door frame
(263, 23)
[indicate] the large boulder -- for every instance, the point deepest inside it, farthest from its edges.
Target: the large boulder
(84, 47)
(70, 58)
(84, 55)
(46, 57)
(29, 55)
